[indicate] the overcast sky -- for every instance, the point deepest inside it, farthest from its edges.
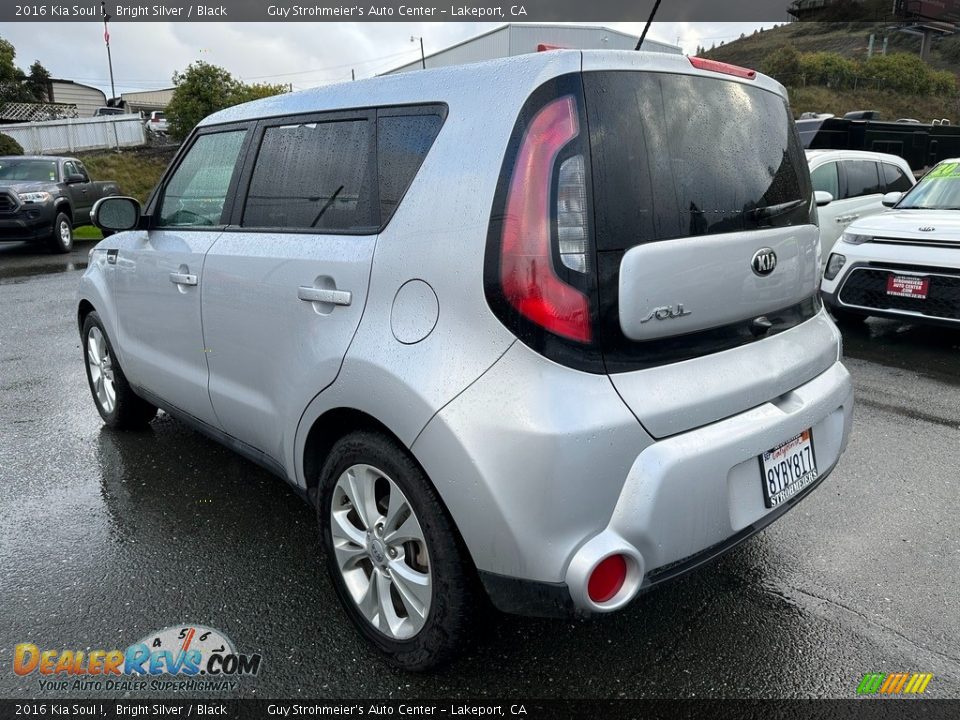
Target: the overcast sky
(145, 55)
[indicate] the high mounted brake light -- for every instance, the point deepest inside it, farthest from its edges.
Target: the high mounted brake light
(722, 67)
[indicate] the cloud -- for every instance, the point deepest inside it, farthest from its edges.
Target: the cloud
(145, 55)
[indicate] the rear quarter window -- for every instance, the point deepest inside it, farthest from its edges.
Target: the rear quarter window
(403, 142)
(895, 179)
(681, 155)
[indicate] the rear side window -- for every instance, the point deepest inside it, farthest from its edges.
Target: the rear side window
(402, 144)
(825, 178)
(895, 179)
(862, 178)
(197, 190)
(680, 155)
(314, 175)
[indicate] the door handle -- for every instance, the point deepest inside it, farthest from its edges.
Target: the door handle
(178, 278)
(323, 295)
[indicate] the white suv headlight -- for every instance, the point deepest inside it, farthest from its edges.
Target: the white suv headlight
(855, 239)
(35, 197)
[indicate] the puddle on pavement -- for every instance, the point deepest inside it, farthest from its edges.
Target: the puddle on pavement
(21, 273)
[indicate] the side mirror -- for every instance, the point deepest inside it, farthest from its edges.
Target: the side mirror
(116, 214)
(822, 197)
(891, 199)
(74, 178)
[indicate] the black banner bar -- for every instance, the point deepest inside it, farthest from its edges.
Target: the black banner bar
(861, 709)
(394, 11)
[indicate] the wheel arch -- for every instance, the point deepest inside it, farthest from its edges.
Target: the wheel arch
(326, 430)
(63, 205)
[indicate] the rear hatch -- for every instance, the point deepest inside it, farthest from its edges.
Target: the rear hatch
(706, 243)
(654, 221)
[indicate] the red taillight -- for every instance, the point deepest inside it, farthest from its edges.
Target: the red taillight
(607, 578)
(527, 276)
(722, 67)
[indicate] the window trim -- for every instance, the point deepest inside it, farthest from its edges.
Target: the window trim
(150, 220)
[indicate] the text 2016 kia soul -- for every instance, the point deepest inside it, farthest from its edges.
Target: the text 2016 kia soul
(544, 328)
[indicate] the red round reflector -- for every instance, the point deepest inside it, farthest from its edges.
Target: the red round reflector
(607, 578)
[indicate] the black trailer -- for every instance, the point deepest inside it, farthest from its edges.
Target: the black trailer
(920, 144)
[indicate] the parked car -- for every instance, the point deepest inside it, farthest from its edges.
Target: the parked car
(156, 122)
(107, 111)
(42, 199)
(858, 181)
(510, 327)
(902, 264)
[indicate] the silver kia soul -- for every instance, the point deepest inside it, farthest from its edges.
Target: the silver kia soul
(544, 329)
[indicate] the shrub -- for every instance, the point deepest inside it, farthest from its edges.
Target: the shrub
(900, 72)
(782, 64)
(827, 68)
(9, 146)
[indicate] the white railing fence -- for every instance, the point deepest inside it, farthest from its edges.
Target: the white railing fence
(69, 136)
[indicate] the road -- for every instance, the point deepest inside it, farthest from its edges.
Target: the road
(106, 536)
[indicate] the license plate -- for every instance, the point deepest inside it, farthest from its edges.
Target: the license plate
(787, 469)
(908, 286)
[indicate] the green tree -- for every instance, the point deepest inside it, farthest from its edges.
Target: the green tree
(17, 86)
(782, 64)
(38, 81)
(203, 89)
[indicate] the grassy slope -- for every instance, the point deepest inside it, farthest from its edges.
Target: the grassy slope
(136, 171)
(850, 41)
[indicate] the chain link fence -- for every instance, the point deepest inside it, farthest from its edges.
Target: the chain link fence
(71, 136)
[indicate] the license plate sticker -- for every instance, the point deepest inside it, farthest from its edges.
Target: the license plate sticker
(787, 469)
(908, 286)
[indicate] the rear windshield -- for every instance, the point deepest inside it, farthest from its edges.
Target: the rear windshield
(681, 155)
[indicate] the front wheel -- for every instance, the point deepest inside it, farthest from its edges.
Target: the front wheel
(61, 241)
(394, 555)
(116, 402)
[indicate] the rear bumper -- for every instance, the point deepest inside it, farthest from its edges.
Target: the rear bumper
(546, 473)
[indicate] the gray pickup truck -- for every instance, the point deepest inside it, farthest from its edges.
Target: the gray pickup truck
(43, 198)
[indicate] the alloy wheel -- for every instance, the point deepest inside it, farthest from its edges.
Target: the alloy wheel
(101, 369)
(381, 551)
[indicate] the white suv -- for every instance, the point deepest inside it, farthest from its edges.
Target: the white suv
(512, 328)
(857, 180)
(902, 264)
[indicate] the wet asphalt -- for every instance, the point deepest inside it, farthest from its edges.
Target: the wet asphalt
(105, 536)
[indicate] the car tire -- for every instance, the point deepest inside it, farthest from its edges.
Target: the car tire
(846, 317)
(61, 240)
(415, 629)
(118, 405)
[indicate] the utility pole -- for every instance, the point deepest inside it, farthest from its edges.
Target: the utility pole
(423, 57)
(106, 39)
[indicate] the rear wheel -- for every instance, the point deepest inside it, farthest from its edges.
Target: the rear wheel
(395, 558)
(61, 241)
(116, 402)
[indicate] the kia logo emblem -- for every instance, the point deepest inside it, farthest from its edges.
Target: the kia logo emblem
(927, 228)
(764, 262)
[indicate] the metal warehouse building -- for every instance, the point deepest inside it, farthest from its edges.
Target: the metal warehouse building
(516, 39)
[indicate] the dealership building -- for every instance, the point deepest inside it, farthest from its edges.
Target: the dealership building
(518, 39)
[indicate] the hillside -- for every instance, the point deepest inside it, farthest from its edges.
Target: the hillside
(850, 40)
